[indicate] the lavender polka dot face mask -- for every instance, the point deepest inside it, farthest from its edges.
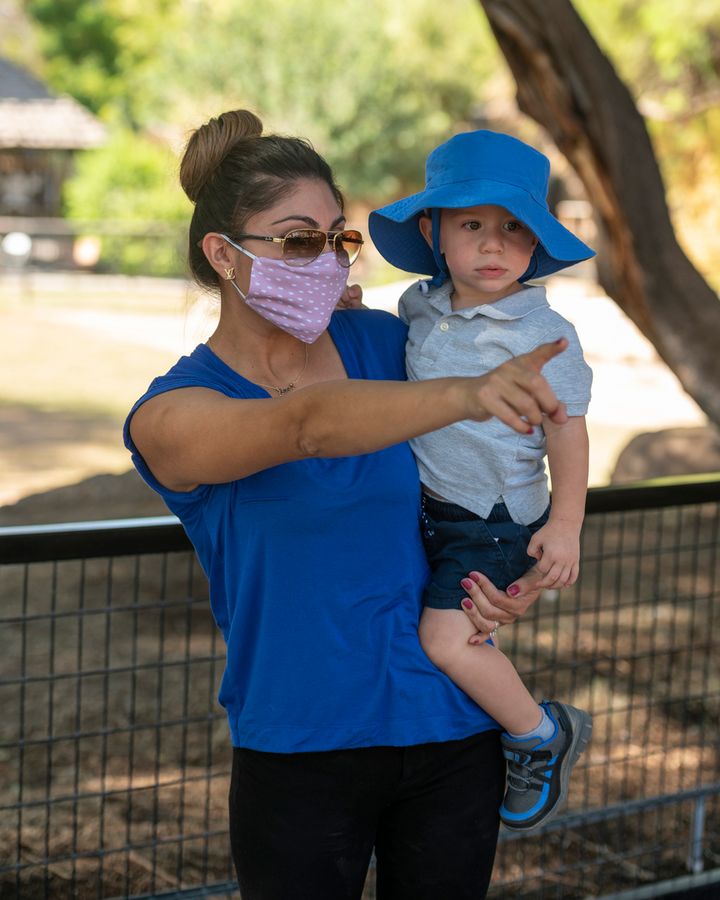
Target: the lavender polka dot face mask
(298, 299)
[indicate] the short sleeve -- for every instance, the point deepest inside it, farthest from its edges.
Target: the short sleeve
(409, 299)
(568, 374)
(175, 500)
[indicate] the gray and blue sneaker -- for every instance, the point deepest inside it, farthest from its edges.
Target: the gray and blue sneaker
(539, 771)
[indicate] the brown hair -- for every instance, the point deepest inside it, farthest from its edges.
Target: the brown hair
(231, 171)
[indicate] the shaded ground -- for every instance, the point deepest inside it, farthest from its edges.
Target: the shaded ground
(123, 496)
(41, 447)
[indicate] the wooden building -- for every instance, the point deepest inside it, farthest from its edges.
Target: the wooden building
(39, 136)
(39, 133)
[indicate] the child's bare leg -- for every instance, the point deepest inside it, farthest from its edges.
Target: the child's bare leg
(482, 671)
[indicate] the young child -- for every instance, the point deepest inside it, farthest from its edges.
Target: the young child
(482, 229)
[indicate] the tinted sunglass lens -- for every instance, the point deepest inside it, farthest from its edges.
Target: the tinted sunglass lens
(347, 247)
(302, 247)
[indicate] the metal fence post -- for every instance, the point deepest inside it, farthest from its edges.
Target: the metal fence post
(697, 833)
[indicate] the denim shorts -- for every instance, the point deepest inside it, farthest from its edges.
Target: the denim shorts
(457, 542)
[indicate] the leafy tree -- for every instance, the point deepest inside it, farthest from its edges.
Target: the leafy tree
(101, 51)
(669, 55)
(124, 179)
(374, 85)
(131, 184)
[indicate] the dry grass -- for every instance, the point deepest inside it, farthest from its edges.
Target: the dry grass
(65, 387)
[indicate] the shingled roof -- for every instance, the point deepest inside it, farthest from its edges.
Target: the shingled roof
(32, 117)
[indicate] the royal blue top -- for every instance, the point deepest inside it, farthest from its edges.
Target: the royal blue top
(316, 571)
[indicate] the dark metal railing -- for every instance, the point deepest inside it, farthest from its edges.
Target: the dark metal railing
(114, 755)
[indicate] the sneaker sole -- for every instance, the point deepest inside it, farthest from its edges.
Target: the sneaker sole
(582, 732)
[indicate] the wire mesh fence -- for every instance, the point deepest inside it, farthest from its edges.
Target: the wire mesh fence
(634, 643)
(114, 755)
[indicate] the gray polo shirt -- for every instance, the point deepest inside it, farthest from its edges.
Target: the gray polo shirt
(478, 464)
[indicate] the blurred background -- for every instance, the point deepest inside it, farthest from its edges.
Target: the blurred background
(113, 752)
(96, 102)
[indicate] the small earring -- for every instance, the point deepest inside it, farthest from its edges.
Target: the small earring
(230, 273)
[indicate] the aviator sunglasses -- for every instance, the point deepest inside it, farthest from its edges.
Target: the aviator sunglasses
(302, 245)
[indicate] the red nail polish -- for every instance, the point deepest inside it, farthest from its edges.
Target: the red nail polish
(513, 590)
(467, 603)
(466, 583)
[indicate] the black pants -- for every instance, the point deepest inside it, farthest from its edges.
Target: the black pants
(303, 825)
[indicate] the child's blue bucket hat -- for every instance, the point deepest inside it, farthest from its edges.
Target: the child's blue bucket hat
(472, 169)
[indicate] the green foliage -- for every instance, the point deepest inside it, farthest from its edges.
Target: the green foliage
(102, 51)
(131, 184)
(374, 85)
(125, 180)
(662, 48)
(668, 52)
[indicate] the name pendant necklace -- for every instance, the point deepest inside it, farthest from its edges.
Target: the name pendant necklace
(281, 391)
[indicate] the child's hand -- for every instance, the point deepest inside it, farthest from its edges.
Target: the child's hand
(351, 297)
(556, 546)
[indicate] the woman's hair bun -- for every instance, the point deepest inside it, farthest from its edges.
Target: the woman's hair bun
(210, 144)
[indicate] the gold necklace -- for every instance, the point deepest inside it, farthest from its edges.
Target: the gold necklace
(281, 391)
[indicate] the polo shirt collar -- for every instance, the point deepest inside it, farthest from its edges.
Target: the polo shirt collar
(516, 306)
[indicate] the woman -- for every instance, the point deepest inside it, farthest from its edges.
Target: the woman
(280, 444)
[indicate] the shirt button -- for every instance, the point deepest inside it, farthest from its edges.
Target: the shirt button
(444, 326)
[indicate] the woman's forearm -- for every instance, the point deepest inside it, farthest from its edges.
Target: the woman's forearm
(346, 418)
(198, 436)
(354, 417)
(195, 435)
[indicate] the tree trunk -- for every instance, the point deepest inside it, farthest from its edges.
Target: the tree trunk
(569, 86)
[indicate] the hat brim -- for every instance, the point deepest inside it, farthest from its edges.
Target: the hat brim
(395, 231)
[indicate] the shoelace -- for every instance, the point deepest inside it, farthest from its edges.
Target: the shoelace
(527, 770)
